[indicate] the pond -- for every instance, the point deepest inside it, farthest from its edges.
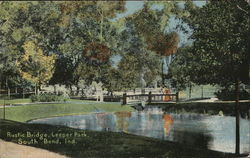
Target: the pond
(197, 130)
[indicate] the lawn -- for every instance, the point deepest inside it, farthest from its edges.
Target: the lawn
(14, 101)
(196, 92)
(32, 111)
(77, 143)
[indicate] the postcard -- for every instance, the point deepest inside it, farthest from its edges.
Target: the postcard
(125, 79)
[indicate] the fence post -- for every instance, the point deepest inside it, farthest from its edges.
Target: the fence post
(150, 97)
(124, 99)
(177, 96)
(4, 108)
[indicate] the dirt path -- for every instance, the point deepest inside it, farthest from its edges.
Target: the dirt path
(12, 150)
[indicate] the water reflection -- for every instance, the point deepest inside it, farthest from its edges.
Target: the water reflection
(168, 121)
(122, 121)
(203, 131)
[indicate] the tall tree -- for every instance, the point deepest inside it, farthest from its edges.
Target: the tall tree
(139, 67)
(34, 66)
(22, 21)
(90, 37)
(151, 24)
(9, 45)
(221, 46)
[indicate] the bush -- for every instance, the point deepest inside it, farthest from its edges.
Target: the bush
(47, 98)
(34, 98)
(229, 94)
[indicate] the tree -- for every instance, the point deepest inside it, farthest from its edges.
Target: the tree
(34, 66)
(154, 35)
(221, 46)
(9, 46)
(57, 26)
(64, 72)
(180, 68)
(112, 80)
(90, 37)
(139, 67)
(181, 73)
(24, 21)
(94, 59)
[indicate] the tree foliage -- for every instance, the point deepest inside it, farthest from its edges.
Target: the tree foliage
(181, 68)
(151, 24)
(221, 42)
(84, 39)
(34, 66)
(139, 67)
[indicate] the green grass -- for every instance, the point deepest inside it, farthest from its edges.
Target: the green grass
(103, 144)
(196, 92)
(14, 101)
(33, 111)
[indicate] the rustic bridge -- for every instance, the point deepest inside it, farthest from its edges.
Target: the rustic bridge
(149, 98)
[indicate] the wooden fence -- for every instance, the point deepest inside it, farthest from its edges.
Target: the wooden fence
(149, 98)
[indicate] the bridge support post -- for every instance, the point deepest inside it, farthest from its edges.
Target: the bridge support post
(150, 97)
(177, 96)
(124, 99)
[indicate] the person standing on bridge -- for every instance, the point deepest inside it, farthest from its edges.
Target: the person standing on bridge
(167, 97)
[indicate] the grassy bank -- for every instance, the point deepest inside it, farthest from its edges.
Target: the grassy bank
(79, 143)
(32, 111)
(14, 101)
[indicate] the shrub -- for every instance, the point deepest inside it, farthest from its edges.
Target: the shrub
(47, 98)
(229, 94)
(34, 98)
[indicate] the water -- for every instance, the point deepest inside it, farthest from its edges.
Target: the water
(197, 130)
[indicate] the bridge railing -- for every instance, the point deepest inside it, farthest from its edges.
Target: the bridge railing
(149, 98)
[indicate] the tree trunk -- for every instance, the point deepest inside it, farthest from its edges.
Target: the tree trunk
(38, 89)
(54, 89)
(8, 89)
(35, 90)
(237, 115)
(102, 26)
(177, 96)
(202, 95)
(190, 91)
(23, 94)
(162, 73)
(4, 108)
(9, 92)
(71, 91)
(77, 90)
